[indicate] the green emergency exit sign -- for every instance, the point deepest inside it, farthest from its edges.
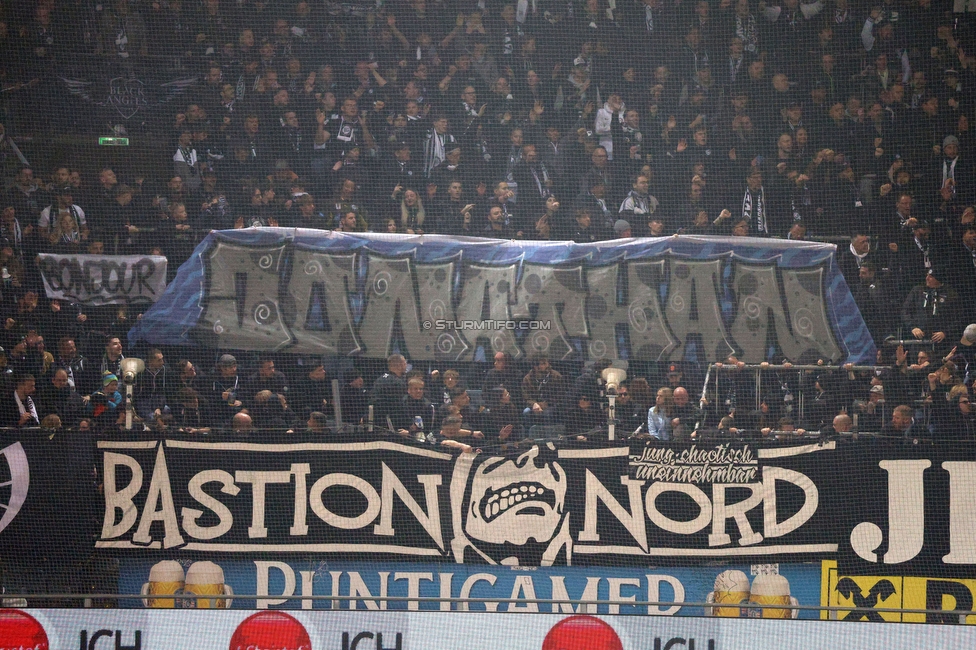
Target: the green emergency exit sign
(112, 141)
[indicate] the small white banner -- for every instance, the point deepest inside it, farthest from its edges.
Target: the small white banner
(103, 279)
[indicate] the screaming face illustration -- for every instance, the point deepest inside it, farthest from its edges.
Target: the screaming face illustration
(516, 501)
(511, 510)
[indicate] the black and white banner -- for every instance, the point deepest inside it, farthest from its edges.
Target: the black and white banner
(546, 505)
(881, 509)
(103, 279)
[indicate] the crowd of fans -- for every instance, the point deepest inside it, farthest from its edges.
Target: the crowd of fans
(920, 395)
(536, 120)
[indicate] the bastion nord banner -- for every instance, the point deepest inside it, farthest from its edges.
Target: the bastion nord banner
(871, 507)
(440, 298)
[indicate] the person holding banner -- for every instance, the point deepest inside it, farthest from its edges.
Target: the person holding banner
(62, 224)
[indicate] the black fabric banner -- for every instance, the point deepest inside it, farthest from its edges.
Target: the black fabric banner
(646, 503)
(874, 507)
(49, 502)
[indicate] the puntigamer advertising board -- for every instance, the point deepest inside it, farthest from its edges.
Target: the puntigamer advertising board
(632, 523)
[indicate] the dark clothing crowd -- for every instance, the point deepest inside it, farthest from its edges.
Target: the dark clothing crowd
(540, 120)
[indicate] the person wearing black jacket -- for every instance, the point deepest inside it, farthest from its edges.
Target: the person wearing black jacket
(155, 386)
(585, 415)
(312, 392)
(57, 397)
(503, 424)
(902, 424)
(388, 390)
(17, 407)
(850, 258)
(931, 310)
(270, 412)
(501, 373)
(225, 391)
(414, 405)
(80, 374)
(267, 378)
(954, 418)
(353, 398)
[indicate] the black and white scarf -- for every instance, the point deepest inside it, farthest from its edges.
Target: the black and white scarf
(754, 208)
(949, 172)
(434, 150)
(541, 177)
(747, 29)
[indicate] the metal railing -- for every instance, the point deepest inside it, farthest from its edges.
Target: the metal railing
(758, 370)
(556, 604)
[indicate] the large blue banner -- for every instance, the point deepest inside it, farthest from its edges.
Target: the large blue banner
(442, 298)
(289, 583)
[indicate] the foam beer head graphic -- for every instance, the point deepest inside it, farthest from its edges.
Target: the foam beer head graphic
(581, 633)
(772, 589)
(270, 630)
(731, 588)
(206, 579)
(165, 578)
(20, 630)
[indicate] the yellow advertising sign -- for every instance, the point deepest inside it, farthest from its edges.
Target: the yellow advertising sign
(895, 592)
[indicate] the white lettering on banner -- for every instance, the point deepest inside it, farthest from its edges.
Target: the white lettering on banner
(120, 500)
(206, 510)
(258, 481)
(431, 520)
(252, 300)
(224, 516)
(962, 518)
(906, 514)
(715, 511)
(721, 464)
(413, 579)
(351, 587)
(433, 630)
(264, 574)
(159, 493)
(159, 504)
(559, 592)
(103, 279)
(358, 589)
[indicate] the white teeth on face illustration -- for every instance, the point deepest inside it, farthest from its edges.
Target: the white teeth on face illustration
(527, 488)
(498, 502)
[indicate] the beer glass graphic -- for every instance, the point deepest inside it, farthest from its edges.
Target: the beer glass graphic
(731, 590)
(165, 579)
(772, 589)
(206, 579)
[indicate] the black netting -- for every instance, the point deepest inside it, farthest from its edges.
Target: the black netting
(131, 130)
